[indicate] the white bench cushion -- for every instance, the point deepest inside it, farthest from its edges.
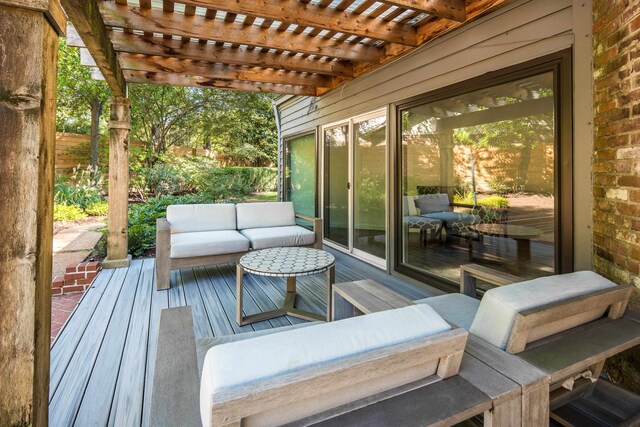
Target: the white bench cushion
(274, 237)
(264, 357)
(433, 203)
(498, 308)
(206, 243)
(212, 217)
(269, 214)
(458, 309)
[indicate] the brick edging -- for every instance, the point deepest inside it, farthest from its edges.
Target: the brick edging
(77, 278)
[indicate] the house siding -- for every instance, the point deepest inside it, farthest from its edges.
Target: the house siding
(519, 32)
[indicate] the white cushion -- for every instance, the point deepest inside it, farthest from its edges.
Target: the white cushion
(433, 203)
(205, 243)
(275, 237)
(248, 361)
(410, 208)
(269, 214)
(213, 217)
(458, 309)
(499, 306)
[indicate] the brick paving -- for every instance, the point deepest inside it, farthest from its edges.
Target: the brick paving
(61, 308)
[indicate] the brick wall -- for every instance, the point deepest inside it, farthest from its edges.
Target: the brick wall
(616, 159)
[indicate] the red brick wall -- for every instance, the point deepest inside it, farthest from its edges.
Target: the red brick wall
(616, 159)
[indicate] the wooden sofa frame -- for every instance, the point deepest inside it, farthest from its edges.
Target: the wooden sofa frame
(164, 262)
(566, 354)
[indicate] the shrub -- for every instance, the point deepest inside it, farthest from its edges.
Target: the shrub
(97, 209)
(493, 201)
(162, 180)
(63, 212)
(142, 219)
(79, 190)
(220, 183)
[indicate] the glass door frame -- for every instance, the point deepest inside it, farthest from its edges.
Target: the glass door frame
(364, 256)
(560, 63)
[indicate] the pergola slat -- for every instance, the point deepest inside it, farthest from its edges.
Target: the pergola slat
(135, 62)
(209, 52)
(231, 32)
(86, 19)
(454, 10)
(203, 82)
(292, 12)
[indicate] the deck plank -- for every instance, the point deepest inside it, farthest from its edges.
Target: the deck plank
(126, 409)
(108, 346)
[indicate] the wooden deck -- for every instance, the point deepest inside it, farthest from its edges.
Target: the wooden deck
(102, 361)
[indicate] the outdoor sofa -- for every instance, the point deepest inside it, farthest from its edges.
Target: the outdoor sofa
(206, 234)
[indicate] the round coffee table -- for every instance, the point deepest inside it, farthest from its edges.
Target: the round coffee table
(289, 263)
(520, 233)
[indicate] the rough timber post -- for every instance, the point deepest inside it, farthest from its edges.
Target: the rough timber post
(28, 61)
(119, 127)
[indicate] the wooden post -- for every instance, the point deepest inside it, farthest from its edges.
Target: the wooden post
(119, 127)
(28, 62)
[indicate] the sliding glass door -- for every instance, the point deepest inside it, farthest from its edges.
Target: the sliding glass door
(300, 173)
(355, 185)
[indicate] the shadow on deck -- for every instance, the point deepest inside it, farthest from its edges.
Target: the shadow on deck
(102, 361)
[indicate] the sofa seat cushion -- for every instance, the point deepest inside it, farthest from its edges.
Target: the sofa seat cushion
(206, 217)
(458, 309)
(206, 243)
(269, 214)
(414, 221)
(274, 237)
(249, 361)
(499, 306)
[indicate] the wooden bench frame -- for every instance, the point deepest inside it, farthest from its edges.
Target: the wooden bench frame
(164, 262)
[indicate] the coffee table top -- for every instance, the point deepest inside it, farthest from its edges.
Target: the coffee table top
(287, 262)
(508, 230)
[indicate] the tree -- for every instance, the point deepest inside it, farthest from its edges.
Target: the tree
(79, 94)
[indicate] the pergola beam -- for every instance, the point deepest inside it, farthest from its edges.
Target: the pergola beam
(160, 46)
(204, 82)
(449, 9)
(136, 62)
(310, 15)
(88, 23)
(199, 27)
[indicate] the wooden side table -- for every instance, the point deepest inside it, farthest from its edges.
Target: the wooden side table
(364, 297)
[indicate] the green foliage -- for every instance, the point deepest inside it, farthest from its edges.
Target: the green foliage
(493, 201)
(162, 180)
(142, 219)
(79, 190)
(63, 212)
(232, 182)
(97, 209)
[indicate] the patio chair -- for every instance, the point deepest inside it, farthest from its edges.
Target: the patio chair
(565, 325)
(438, 206)
(413, 220)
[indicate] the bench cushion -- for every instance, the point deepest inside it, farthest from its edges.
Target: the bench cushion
(458, 309)
(206, 243)
(269, 214)
(498, 308)
(206, 217)
(274, 237)
(433, 203)
(245, 362)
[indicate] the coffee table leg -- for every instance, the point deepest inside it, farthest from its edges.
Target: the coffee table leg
(331, 278)
(239, 273)
(290, 298)
(524, 249)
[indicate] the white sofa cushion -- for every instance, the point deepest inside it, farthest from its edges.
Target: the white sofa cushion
(269, 214)
(498, 308)
(458, 309)
(211, 217)
(433, 203)
(206, 243)
(275, 237)
(245, 362)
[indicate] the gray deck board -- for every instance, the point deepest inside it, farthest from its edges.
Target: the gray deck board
(102, 362)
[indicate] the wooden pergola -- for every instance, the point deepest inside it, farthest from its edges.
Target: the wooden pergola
(299, 47)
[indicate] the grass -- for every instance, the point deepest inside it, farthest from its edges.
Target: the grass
(269, 196)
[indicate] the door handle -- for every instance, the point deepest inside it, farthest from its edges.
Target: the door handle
(348, 186)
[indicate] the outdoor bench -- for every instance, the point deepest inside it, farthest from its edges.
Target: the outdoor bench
(207, 234)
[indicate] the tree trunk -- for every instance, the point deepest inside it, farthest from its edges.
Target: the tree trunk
(96, 112)
(523, 168)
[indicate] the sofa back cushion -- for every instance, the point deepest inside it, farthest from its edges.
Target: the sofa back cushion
(245, 362)
(409, 206)
(212, 217)
(499, 306)
(433, 203)
(269, 214)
